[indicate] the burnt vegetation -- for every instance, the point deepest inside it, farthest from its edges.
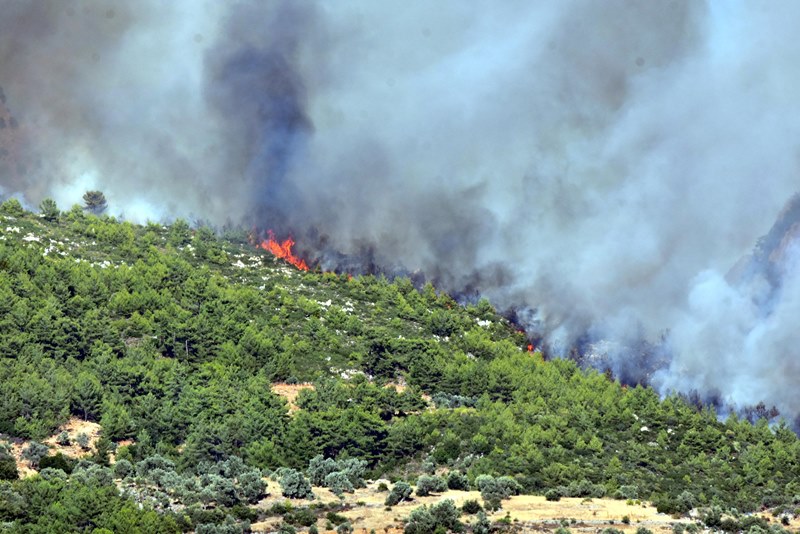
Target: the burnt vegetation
(171, 338)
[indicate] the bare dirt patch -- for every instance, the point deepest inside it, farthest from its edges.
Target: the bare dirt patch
(73, 427)
(290, 392)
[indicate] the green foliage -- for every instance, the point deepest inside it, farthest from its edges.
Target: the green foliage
(482, 525)
(175, 338)
(303, 517)
(8, 465)
(495, 490)
(457, 481)
(63, 438)
(400, 492)
(294, 485)
(88, 396)
(49, 210)
(335, 519)
(57, 461)
(123, 468)
(425, 520)
(471, 506)
(12, 208)
(627, 492)
(34, 452)
(338, 483)
(552, 495)
(427, 484)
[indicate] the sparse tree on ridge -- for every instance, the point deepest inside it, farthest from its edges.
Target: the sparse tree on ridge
(95, 202)
(49, 209)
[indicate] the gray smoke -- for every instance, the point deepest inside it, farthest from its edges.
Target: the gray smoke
(600, 164)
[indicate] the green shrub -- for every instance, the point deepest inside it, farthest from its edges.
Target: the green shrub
(338, 483)
(300, 516)
(335, 519)
(63, 438)
(552, 495)
(294, 485)
(34, 452)
(401, 491)
(12, 208)
(457, 481)
(57, 461)
(438, 517)
(471, 506)
(427, 484)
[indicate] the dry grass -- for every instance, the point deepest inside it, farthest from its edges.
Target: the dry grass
(532, 513)
(290, 393)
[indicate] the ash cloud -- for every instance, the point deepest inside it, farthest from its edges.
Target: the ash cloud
(597, 166)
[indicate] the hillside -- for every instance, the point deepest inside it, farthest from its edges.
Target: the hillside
(172, 339)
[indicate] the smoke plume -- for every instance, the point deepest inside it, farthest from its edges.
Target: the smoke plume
(597, 166)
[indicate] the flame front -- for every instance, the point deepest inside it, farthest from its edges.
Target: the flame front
(283, 250)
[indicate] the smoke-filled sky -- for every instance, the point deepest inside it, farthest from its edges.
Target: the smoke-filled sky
(603, 164)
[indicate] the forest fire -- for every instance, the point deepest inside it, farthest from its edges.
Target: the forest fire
(283, 250)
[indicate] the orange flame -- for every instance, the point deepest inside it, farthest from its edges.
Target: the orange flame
(283, 250)
(530, 347)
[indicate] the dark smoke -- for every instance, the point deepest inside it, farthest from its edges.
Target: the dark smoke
(596, 166)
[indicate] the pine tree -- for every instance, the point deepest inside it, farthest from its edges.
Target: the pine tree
(95, 202)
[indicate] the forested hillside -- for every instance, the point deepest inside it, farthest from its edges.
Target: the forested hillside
(171, 339)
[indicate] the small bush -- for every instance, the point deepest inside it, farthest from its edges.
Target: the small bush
(82, 440)
(626, 520)
(438, 517)
(400, 492)
(294, 485)
(552, 495)
(427, 484)
(63, 438)
(57, 461)
(301, 516)
(338, 483)
(457, 481)
(335, 519)
(35, 452)
(471, 506)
